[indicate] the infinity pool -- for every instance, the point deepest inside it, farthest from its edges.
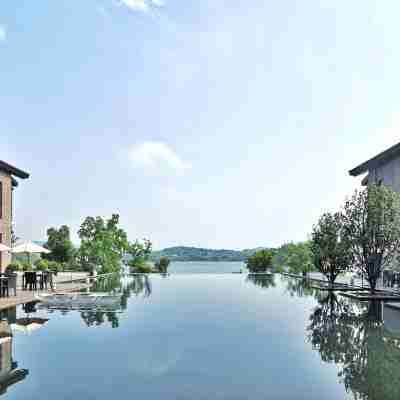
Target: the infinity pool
(204, 337)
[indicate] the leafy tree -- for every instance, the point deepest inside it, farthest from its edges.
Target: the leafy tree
(372, 222)
(162, 264)
(139, 253)
(299, 258)
(103, 244)
(60, 245)
(331, 247)
(260, 261)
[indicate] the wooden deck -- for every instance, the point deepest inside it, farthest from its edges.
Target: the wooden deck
(27, 296)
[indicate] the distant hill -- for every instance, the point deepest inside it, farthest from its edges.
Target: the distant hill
(184, 253)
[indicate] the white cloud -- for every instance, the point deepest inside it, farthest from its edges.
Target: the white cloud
(142, 5)
(3, 33)
(156, 155)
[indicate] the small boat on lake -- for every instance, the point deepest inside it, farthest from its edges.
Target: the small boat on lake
(80, 301)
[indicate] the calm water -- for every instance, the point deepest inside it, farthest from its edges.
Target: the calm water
(206, 337)
(201, 267)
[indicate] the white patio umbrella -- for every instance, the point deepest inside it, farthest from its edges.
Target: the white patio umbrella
(28, 325)
(29, 248)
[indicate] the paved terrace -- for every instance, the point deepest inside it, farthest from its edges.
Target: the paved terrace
(64, 282)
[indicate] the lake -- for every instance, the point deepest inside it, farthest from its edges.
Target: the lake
(203, 336)
(198, 267)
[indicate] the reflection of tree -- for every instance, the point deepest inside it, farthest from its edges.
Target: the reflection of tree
(300, 287)
(263, 281)
(115, 284)
(353, 335)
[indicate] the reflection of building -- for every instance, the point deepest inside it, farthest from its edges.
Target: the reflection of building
(9, 372)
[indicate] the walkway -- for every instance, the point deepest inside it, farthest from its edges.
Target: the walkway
(64, 283)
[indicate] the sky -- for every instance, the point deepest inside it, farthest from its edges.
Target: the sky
(223, 124)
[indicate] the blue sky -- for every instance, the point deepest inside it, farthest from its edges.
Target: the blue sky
(210, 123)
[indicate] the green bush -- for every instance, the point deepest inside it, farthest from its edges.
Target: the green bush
(162, 265)
(143, 269)
(54, 266)
(260, 261)
(14, 267)
(26, 266)
(42, 265)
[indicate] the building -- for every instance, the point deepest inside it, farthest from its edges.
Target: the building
(383, 168)
(8, 183)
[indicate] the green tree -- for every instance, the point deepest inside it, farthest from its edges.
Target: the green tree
(103, 244)
(162, 265)
(60, 245)
(139, 253)
(331, 247)
(260, 261)
(372, 222)
(299, 258)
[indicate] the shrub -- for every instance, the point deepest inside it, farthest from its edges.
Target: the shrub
(14, 267)
(260, 261)
(26, 266)
(54, 266)
(162, 264)
(143, 269)
(42, 265)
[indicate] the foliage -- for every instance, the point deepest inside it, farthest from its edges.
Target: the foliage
(103, 244)
(162, 265)
(299, 258)
(372, 222)
(14, 267)
(26, 266)
(139, 253)
(260, 261)
(331, 247)
(60, 245)
(42, 265)
(143, 269)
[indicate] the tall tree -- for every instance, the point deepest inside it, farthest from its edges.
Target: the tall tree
(372, 222)
(60, 245)
(331, 247)
(103, 243)
(299, 258)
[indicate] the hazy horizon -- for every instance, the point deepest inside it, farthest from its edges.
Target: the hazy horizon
(211, 124)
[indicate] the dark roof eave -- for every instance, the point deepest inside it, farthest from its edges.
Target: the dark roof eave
(381, 158)
(19, 173)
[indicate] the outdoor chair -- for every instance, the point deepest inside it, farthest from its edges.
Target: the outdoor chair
(11, 284)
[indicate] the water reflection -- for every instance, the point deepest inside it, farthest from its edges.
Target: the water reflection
(300, 287)
(263, 281)
(10, 374)
(353, 335)
(117, 285)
